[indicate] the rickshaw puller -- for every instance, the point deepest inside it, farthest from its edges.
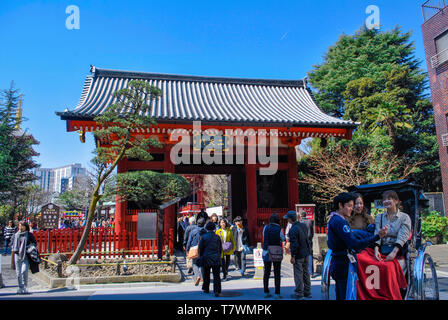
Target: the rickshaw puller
(340, 240)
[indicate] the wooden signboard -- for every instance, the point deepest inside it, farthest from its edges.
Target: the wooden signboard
(50, 216)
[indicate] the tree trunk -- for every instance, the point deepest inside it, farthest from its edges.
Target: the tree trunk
(92, 209)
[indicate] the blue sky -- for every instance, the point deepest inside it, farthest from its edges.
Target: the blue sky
(253, 39)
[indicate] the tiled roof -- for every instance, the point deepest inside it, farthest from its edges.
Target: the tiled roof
(209, 99)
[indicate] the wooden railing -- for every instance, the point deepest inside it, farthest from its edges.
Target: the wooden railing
(101, 242)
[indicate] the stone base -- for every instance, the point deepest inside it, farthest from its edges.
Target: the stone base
(64, 282)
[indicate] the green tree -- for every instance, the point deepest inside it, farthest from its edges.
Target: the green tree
(373, 77)
(74, 199)
(16, 151)
(150, 189)
(118, 141)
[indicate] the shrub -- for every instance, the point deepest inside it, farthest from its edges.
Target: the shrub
(435, 225)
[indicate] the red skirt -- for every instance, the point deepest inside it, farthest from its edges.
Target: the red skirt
(379, 280)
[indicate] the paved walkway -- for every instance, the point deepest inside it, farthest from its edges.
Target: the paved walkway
(237, 288)
(439, 254)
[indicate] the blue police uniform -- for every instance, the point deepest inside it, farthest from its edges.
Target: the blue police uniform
(341, 240)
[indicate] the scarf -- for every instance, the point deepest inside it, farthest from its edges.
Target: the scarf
(19, 244)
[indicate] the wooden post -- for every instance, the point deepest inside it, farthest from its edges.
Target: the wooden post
(160, 234)
(293, 187)
(251, 190)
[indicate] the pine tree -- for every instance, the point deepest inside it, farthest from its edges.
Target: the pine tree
(373, 77)
(16, 151)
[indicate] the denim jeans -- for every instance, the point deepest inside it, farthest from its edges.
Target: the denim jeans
(22, 267)
(310, 261)
(240, 260)
(7, 249)
(196, 270)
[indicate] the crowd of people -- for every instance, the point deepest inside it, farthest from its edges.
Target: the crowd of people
(74, 223)
(210, 243)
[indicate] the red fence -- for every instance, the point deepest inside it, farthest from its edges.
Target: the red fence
(101, 242)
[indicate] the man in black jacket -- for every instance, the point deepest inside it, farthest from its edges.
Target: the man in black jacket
(300, 251)
(210, 248)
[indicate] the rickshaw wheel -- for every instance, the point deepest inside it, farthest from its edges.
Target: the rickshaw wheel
(429, 286)
(326, 279)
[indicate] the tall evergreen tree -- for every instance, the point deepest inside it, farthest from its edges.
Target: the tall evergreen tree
(374, 78)
(16, 151)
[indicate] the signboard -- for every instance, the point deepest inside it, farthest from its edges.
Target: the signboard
(258, 258)
(72, 214)
(147, 226)
(307, 208)
(378, 204)
(50, 216)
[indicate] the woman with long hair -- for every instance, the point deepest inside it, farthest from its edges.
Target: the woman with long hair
(22, 238)
(228, 244)
(272, 236)
(360, 218)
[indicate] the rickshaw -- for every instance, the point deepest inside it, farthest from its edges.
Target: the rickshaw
(420, 272)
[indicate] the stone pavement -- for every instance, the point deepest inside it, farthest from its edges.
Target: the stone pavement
(439, 254)
(237, 288)
(10, 279)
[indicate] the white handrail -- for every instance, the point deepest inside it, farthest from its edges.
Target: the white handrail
(439, 58)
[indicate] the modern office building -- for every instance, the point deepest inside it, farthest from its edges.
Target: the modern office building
(59, 180)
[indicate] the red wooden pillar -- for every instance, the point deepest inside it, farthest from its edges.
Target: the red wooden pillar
(169, 219)
(252, 206)
(120, 206)
(293, 187)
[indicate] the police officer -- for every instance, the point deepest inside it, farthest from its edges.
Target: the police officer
(340, 240)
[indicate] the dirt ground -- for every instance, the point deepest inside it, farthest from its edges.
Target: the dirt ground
(107, 271)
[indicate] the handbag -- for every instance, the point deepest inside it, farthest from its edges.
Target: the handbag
(275, 253)
(189, 263)
(193, 253)
(226, 246)
(246, 249)
(32, 253)
(385, 249)
(265, 256)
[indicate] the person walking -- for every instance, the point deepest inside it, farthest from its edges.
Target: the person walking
(19, 260)
(8, 233)
(192, 226)
(210, 250)
(272, 237)
(203, 214)
(192, 248)
(242, 242)
(228, 246)
(300, 252)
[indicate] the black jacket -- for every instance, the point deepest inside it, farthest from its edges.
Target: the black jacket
(299, 239)
(34, 267)
(210, 248)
